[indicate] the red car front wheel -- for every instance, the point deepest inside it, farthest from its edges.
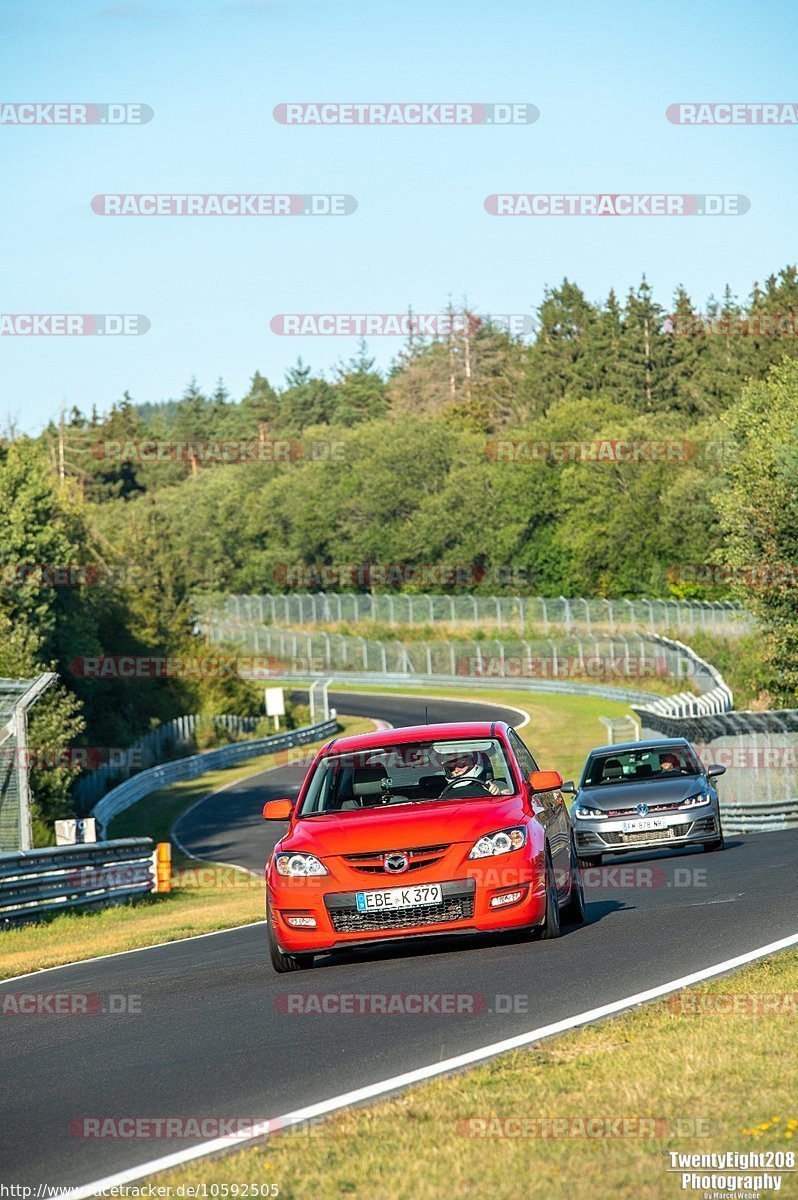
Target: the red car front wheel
(281, 961)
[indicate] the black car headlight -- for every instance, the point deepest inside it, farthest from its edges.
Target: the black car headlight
(695, 801)
(585, 812)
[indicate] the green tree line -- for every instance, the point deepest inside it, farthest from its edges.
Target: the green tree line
(457, 455)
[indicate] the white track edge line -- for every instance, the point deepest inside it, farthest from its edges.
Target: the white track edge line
(421, 1074)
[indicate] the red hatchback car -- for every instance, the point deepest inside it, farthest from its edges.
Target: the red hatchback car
(406, 833)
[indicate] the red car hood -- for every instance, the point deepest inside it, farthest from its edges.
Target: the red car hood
(436, 824)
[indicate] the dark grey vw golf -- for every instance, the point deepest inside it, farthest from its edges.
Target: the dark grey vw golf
(645, 796)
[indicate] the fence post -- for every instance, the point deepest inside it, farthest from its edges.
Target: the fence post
(567, 614)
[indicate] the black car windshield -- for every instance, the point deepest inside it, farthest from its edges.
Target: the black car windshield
(409, 773)
(636, 766)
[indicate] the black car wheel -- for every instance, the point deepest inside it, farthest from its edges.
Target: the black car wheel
(551, 920)
(719, 843)
(281, 961)
(574, 911)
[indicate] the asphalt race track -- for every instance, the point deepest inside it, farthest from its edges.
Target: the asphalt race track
(213, 1038)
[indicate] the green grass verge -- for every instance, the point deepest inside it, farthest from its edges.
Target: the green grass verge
(656, 1078)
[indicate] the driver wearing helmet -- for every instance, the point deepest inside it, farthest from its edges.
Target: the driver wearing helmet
(469, 765)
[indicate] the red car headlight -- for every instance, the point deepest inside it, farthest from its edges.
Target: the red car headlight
(501, 842)
(299, 866)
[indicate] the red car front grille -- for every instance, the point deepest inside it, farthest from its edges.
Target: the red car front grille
(453, 908)
(372, 863)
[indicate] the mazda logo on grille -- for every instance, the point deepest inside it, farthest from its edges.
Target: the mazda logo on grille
(642, 810)
(395, 863)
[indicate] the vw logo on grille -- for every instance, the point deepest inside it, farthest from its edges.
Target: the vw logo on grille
(642, 810)
(395, 863)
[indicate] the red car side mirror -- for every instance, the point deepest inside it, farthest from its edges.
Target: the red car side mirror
(277, 810)
(545, 781)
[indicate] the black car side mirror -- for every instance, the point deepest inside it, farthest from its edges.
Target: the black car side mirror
(715, 769)
(568, 787)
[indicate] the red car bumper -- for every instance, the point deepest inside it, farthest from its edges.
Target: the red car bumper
(482, 899)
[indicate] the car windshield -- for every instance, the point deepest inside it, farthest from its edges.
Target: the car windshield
(409, 773)
(636, 766)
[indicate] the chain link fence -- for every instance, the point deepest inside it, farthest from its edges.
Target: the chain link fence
(759, 750)
(16, 697)
(621, 659)
(505, 613)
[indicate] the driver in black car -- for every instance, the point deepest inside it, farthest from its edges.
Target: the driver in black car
(469, 765)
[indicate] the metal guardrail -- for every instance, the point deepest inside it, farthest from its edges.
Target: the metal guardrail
(154, 778)
(33, 882)
(403, 680)
(621, 729)
(716, 696)
(759, 816)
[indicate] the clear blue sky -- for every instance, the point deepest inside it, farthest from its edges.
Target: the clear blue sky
(602, 76)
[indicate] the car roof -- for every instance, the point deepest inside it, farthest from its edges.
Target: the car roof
(649, 744)
(447, 731)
